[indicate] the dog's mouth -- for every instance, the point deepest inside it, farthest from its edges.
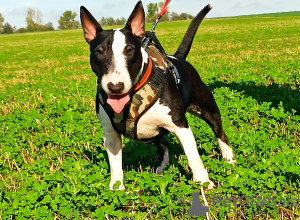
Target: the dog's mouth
(118, 102)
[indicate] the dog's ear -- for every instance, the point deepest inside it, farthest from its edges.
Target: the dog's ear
(90, 25)
(136, 21)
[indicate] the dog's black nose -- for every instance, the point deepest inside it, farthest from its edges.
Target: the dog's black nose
(115, 89)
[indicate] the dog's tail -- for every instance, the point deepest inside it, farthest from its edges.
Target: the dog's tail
(185, 46)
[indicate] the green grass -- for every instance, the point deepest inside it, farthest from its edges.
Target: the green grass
(278, 14)
(52, 160)
(266, 15)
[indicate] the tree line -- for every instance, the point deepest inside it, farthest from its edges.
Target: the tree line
(152, 11)
(35, 23)
(67, 20)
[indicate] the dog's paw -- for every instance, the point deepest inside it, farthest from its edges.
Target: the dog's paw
(228, 156)
(210, 186)
(226, 152)
(117, 186)
(231, 161)
(160, 170)
(121, 187)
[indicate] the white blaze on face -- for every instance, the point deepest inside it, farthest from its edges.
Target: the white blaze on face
(118, 71)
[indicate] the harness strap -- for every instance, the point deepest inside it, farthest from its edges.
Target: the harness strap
(145, 77)
(158, 77)
(151, 36)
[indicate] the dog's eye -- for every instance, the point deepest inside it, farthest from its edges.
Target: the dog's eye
(99, 51)
(129, 49)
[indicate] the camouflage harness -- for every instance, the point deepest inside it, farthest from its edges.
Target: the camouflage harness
(126, 122)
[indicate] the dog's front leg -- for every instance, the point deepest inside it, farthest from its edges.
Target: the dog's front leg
(113, 145)
(188, 143)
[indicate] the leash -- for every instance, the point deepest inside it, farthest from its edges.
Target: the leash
(164, 9)
(151, 36)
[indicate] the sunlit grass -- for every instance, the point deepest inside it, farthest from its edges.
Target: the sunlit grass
(53, 163)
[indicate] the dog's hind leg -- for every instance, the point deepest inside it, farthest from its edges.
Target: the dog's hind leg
(163, 154)
(207, 109)
(213, 119)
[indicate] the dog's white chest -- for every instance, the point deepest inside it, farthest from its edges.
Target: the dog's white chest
(155, 118)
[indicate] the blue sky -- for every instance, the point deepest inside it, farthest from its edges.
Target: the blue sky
(15, 11)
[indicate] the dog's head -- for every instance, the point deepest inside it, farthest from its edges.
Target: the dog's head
(117, 56)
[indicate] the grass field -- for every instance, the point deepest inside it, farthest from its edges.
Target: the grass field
(52, 160)
(279, 14)
(270, 15)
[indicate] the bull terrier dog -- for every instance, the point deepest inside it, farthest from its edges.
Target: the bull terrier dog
(144, 95)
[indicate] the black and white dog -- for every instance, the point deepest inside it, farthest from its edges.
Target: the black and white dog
(117, 58)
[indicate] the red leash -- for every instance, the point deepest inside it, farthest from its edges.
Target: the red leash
(164, 9)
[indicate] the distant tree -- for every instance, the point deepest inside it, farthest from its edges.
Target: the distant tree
(110, 21)
(175, 16)
(183, 16)
(67, 20)
(120, 21)
(29, 19)
(33, 19)
(38, 17)
(103, 21)
(1, 23)
(152, 11)
(7, 28)
(186, 16)
(21, 30)
(49, 26)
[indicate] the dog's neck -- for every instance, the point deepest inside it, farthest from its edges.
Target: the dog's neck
(145, 68)
(144, 63)
(146, 76)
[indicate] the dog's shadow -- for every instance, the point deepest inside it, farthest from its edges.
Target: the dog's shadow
(273, 93)
(137, 155)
